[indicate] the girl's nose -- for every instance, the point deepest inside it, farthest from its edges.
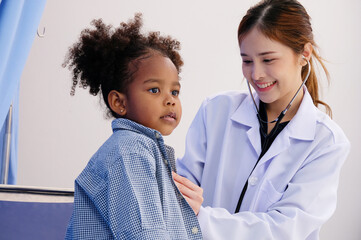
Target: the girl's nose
(169, 100)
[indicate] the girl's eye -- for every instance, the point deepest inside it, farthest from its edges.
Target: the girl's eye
(154, 90)
(247, 62)
(175, 92)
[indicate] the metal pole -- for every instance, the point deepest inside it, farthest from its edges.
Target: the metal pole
(6, 163)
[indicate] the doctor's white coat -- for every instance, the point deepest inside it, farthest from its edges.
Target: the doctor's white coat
(293, 189)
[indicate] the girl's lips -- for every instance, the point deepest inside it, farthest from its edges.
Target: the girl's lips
(170, 117)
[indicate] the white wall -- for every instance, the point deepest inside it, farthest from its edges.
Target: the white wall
(59, 133)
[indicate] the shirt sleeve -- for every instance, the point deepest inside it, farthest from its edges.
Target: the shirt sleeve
(125, 204)
(86, 221)
(192, 163)
(134, 203)
(307, 203)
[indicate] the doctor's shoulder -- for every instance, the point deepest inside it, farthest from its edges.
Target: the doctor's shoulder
(327, 127)
(329, 141)
(224, 102)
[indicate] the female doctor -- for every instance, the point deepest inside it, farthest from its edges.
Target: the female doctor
(268, 161)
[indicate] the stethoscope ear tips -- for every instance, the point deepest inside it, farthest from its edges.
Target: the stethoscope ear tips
(307, 61)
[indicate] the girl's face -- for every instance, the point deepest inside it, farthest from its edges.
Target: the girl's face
(152, 98)
(273, 69)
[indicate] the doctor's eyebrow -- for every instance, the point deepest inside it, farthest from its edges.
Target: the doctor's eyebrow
(260, 54)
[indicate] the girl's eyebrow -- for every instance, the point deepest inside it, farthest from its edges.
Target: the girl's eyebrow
(260, 54)
(152, 80)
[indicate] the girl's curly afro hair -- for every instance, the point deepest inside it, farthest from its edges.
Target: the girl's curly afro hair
(101, 57)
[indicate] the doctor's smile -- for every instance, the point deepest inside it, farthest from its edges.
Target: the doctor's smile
(265, 86)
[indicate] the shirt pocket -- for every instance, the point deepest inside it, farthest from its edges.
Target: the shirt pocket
(267, 196)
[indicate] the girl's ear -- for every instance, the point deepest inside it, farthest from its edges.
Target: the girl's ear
(307, 52)
(117, 102)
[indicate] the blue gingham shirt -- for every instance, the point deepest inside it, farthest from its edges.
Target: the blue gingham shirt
(127, 192)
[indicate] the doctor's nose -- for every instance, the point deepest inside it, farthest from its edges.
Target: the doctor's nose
(257, 72)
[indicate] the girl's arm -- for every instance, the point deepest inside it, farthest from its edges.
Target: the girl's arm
(122, 202)
(133, 198)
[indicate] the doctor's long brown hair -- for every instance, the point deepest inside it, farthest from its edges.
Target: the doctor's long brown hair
(287, 22)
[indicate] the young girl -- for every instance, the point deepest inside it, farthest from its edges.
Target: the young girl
(126, 191)
(269, 161)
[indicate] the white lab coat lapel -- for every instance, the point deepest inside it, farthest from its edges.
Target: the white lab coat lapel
(301, 127)
(298, 128)
(280, 144)
(246, 115)
(303, 124)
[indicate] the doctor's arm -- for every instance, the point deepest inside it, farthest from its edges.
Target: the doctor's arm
(192, 163)
(307, 203)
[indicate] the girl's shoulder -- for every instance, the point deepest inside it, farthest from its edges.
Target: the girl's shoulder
(122, 148)
(132, 142)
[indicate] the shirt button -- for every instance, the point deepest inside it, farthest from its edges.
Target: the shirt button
(165, 161)
(253, 180)
(194, 230)
(157, 135)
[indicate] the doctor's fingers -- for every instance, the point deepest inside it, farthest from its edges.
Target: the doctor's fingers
(188, 188)
(187, 183)
(196, 196)
(191, 192)
(195, 205)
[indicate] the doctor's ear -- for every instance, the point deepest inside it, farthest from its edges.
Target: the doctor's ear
(307, 53)
(117, 102)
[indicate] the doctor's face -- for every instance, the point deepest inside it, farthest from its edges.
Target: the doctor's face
(273, 69)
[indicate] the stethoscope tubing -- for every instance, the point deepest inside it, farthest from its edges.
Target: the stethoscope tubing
(282, 114)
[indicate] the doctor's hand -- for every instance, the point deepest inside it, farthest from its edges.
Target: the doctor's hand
(191, 192)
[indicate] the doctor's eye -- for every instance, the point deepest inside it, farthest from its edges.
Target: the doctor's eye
(268, 60)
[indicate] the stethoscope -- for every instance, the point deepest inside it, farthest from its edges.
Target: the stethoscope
(274, 130)
(282, 114)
